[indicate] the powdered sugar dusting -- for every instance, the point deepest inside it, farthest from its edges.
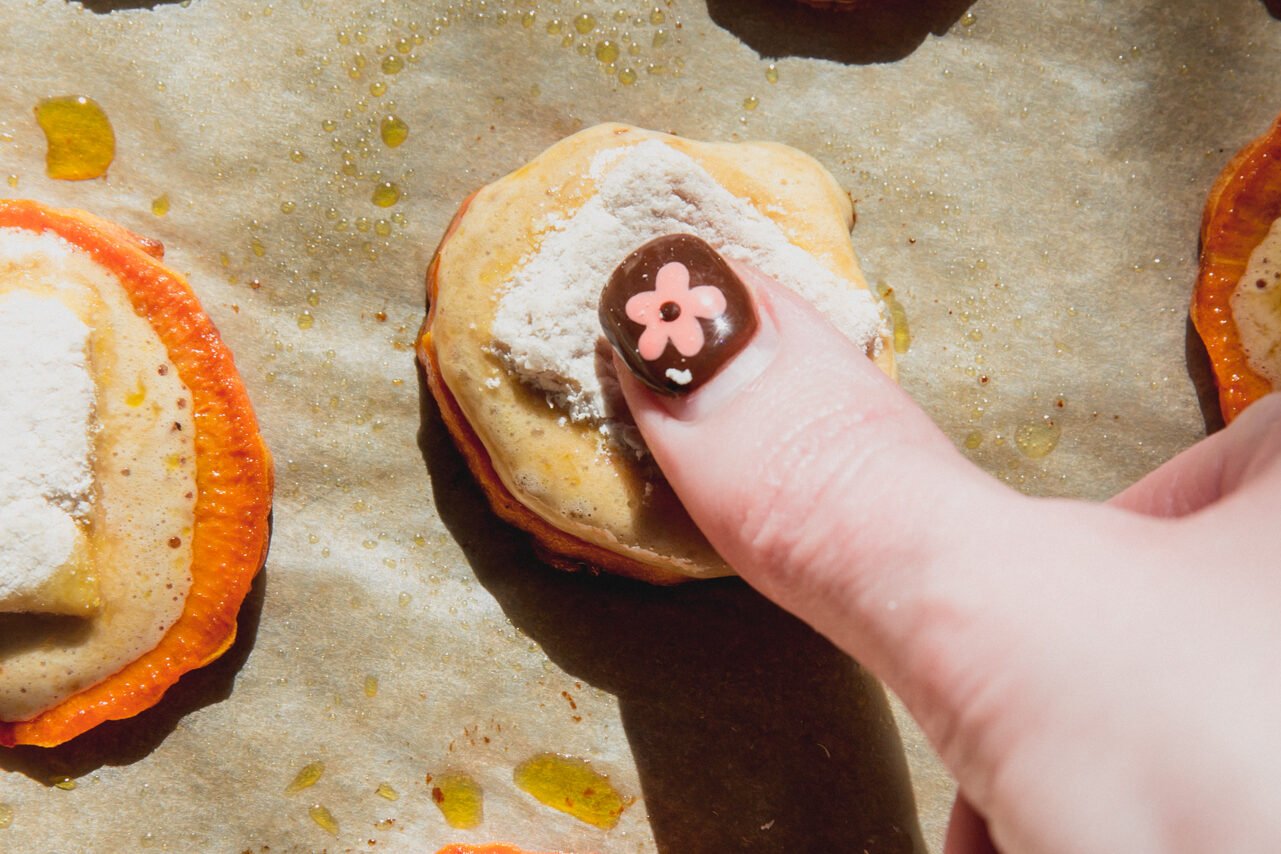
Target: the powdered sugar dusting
(546, 327)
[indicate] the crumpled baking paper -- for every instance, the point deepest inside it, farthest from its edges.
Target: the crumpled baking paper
(1028, 178)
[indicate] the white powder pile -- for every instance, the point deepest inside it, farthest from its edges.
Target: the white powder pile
(46, 403)
(546, 328)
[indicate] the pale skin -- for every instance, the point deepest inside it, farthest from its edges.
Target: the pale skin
(1098, 677)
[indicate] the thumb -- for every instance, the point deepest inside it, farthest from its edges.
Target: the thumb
(823, 485)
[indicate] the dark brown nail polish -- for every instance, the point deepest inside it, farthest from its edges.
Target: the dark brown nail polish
(676, 313)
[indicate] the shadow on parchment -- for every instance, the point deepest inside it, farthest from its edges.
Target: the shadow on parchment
(103, 7)
(1202, 376)
(749, 731)
(125, 742)
(885, 31)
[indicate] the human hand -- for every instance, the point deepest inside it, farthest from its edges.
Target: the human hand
(1097, 677)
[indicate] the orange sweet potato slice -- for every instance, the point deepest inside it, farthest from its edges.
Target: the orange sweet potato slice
(233, 478)
(1243, 204)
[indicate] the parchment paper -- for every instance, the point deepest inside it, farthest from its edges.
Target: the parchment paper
(1029, 179)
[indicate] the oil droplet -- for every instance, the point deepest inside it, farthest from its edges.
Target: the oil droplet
(898, 319)
(657, 16)
(13, 181)
(306, 777)
(660, 37)
(160, 205)
(306, 321)
(313, 297)
(975, 335)
(459, 799)
(393, 131)
(606, 51)
(385, 194)
(323, 817)
(584, 23)
(404, 599)
(973, 439)
(172, 461)
(627, 76)
(64, 783)
(297, 156)
(968, 19)
(392, 64)
(527, 19)
(287, 207)
(382, 228)
(554, 27)
(371, 686)
(571, 786)
(751, 102)
(771, 73)
(138, 395)
(362, 223)
(6, 816)
(1037, 439)
(329, 125)
(81, 143)
(386, 792)
(378, 88)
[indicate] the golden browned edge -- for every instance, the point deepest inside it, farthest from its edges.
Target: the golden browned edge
(555, 546)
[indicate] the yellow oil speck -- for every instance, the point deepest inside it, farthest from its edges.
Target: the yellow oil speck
(12, 180)
(584, 23)
(771, 73)
(657, 16)
(139, 393)
(323, 817)
(257, 247)
(751, 102)
(554, 26)
(898, 319)
(968, 19)
(306, 320)
(371, 686)
(385, 194)
(1037, 439)
(362, 223)
(459, 799)
(973, 439)
(660, 37)
(172, 462)
(287, 207)
(81, 143)
(382, 228)
(160, 205)
(404, 599)
(975, 335)
(386, 792)
(606, 51)
(627, 76)
(313, 297)
(6, 816)
(378, 88)
(64, 783)
(571, 786)
(329, 125)
(306, 777)
(527, 20)
(392, 64)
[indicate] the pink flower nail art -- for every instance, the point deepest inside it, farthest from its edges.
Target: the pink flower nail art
(671, 311)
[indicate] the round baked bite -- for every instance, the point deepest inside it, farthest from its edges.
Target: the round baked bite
(137, 516)
(513, 349)
(1236, 306)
